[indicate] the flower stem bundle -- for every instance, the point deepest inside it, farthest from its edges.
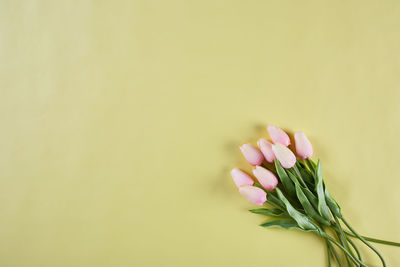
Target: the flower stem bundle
(297, 195)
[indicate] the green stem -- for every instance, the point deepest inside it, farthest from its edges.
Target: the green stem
(343, 240)
(342, 243)
(364, 241)
(355, 248)
(328, 250)
(336, 255)
(330, 247)
(327, 240)
(375, 240)
(380, 241)
(345, 251)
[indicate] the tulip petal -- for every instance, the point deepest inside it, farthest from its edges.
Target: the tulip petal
(266, 149)
(266, 178)
(278, 135)
(252, 154)
(253, 194)
(241, 178)
(303, 146)
(285, 156)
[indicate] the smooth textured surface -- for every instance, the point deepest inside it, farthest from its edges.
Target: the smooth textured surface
(121, 120)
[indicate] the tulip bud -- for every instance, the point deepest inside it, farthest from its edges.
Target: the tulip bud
(303, 146)
(252, 154)
(278, 135)
(241, 178)
(266, 149)
(266, 178)
(253, 194)
(284, 155)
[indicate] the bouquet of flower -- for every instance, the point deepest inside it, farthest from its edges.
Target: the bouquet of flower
(297, 195)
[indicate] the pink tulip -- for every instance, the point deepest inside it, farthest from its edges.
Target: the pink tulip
(241, 178)
(284, 155)
(266, 178)
(253, 194)
(278, 135)
(303, 146)
(266, 149)
(252, 154)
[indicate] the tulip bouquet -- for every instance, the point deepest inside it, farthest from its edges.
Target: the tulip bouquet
(297, 195)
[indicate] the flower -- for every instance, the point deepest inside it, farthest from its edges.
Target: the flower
(294, 193)
(284, 155)
(252, 154)
(241, 178)
(278, 135)
(266, 149)
(253, 194)
(266, 178)
(303, 146)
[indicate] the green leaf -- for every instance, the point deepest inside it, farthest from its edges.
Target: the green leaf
(286, 224)
(302, 220)
(308, 208)
(306, 174)
(333, 205)
(319, 188)
(271, 212)
(287, 183)
(305, 203)
(292, 177)
(308, 193)
(313, 199)
(312, 165)
(275, 201)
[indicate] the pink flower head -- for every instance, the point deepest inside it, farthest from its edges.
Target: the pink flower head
(241, 178)
(278, 135)
(284, 155)
(253, 194)
(266, 178)
(252, 154)
(303, 146)
(266, 149)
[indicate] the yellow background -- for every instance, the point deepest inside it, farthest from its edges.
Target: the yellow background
(120, 121)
